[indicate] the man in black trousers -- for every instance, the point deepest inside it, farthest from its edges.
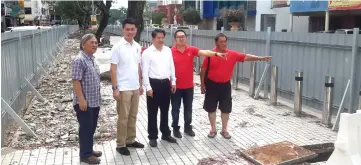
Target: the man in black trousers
(159, 81)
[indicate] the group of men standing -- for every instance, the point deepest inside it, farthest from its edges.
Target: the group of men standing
(167, 75)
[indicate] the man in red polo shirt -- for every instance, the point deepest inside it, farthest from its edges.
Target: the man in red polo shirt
(215, 82)
(183, 55)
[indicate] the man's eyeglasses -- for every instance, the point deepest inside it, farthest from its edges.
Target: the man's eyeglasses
(181, 37)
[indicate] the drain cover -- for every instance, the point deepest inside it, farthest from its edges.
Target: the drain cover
(282, 153)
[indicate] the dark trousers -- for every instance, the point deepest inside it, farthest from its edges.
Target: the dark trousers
(87, 124)
(161, 100)
(176, 98)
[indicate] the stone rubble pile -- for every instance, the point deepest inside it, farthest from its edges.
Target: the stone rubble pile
(54, 121)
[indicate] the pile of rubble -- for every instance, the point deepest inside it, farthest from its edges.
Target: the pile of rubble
(54, 121)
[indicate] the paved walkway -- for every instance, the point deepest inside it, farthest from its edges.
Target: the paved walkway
(252, 123)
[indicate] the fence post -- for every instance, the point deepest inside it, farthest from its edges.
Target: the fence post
(198, 63)
(340, 108)
(267, 53)
(147, 33)
(237, 74)
(264, 74)
(274, 82)
(298, 93)
(359, 100)
(328, 101)
(252, 79)
(171, 36)
(354, 71)
(191, 36)
(17, 119)
(18, 61)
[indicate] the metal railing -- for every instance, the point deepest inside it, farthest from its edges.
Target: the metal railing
(23, 58)
(315, 55)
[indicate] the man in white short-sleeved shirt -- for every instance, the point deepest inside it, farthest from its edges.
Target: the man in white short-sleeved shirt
(127, 86)
(160, 81)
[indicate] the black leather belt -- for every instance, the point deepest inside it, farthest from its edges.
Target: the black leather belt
(159, 80)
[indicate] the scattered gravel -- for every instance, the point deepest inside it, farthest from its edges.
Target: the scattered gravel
(54, 120)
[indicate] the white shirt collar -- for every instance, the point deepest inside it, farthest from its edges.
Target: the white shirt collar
(153, 48)
(125, 42)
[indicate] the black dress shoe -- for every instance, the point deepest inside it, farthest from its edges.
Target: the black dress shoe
(153, 143)
(177, 134)
(123, 151)
(97, 153)
(91, 160)
(189, 132)
(136, 145)
(169, 139)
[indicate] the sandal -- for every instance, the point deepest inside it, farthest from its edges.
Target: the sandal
(212, 134)
(226, 135)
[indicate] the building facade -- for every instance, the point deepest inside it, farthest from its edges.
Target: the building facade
(171, 12)
(259, 15)
(328, 15)
(22, 12)
(276, 14)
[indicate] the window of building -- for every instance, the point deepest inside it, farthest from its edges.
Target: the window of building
(27, 10)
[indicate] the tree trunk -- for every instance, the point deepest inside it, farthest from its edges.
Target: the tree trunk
(80, 23)
(86, 19)
(104, 8)
(135, 11)
(102, 25)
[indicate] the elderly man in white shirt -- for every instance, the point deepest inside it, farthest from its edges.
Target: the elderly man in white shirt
(126, 84)
(159, 80)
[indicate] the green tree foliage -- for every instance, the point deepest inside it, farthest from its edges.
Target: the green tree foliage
(190, 16)
(82, 10)
(135, 11)
(75, 10)
(157, 17)
(117, 14)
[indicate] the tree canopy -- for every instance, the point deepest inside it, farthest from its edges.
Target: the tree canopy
(135, 11)
(75, 10)
(157, 17)
(191, 16)
(82, 11)
(117, 14)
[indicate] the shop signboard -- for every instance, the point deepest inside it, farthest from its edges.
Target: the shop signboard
(297, 6)
(280, 3)
(344, 4)
(15, 8)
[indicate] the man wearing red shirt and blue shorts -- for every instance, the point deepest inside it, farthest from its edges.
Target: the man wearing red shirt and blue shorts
(215, 82)
(183, 55)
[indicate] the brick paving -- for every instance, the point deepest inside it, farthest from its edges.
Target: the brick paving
(252, 123)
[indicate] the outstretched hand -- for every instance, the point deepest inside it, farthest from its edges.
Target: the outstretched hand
(266, 58)
(222, 55)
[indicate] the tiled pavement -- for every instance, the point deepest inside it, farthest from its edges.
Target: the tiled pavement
(252, 122)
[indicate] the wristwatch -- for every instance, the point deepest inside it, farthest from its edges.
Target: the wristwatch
(114, 87)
